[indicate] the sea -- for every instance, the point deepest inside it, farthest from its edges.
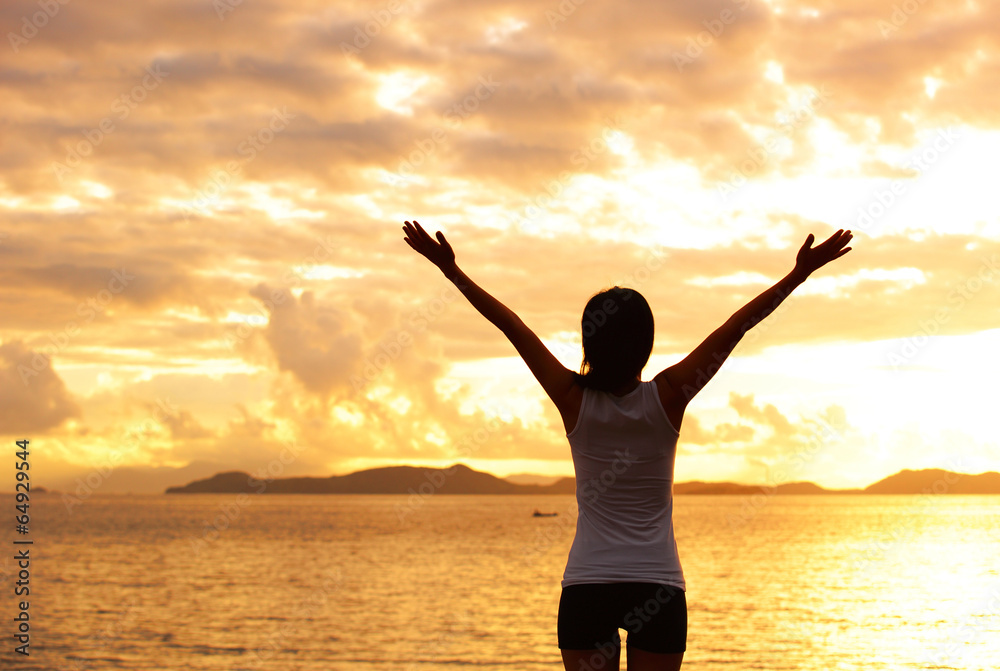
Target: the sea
(442, 582)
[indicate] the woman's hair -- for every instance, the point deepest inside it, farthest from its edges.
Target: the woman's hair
(617, 330)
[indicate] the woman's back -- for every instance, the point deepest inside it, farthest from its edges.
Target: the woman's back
(623, 450)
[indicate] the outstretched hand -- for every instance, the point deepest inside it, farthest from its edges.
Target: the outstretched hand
(811, 258)
(438, 252)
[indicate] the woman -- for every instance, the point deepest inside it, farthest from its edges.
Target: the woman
(623, 570)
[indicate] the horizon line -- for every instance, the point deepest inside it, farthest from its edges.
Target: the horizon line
(557, 478)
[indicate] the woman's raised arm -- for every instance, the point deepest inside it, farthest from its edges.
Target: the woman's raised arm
(685, 379)
(556, 379)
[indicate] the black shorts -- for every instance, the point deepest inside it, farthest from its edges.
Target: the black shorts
(655, 617)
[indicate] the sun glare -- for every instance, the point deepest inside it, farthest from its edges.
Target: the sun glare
(931, 86)
(396, 91)
(324, 272)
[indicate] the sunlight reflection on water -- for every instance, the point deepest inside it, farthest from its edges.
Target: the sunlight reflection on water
(342, 582)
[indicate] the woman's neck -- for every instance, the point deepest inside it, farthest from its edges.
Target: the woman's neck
(626, 388)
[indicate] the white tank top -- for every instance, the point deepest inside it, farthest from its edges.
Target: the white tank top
(623, 452)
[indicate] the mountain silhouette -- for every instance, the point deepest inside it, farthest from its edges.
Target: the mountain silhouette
(460, 479)
(936, 481)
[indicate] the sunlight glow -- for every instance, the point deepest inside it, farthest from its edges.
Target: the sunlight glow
(242, 318)
(901, 278)
(567, 346)
(186, 315)
(619, 143)
(774, 72)
(931, 85)
(401, 404)
(348, 416)
(397, 87)
(436, 438)
(735, 279)
(500, 386)
(65, 202)
(97, 190)
(278, 208)
(497, 34)
(322, 272)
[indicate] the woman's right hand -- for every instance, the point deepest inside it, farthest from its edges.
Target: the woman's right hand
(811, 258)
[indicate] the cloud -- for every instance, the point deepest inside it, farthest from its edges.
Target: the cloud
(767, 446)
(313, 341)
(217, 89)
(695, 434)
(767, 416)
(184, 426)
(33, 398)
(311, 215)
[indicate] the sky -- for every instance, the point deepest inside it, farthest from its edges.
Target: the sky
(202, 265)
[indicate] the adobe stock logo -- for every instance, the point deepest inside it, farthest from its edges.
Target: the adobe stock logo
(38, 20)
(122, 107)
(363, 37)
(879, 203)
(696, 44)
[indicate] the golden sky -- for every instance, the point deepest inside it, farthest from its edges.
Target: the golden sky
(202, 261)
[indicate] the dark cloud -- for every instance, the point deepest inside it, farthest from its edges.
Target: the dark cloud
(184, 426)
(314, 341)
(33, 398)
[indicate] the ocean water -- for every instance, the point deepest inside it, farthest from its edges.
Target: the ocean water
(310, 583)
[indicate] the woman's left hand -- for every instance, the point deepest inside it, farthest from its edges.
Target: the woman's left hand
(438, 252)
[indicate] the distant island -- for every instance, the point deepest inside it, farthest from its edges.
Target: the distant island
(460, 479)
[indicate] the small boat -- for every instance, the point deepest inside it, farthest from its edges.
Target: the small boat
(540, 514)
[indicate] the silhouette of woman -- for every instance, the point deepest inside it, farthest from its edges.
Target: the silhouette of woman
(623, 569)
